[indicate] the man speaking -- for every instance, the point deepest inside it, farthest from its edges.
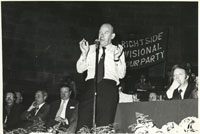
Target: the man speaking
(111, 68)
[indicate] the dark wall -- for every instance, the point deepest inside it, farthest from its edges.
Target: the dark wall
(40, 39)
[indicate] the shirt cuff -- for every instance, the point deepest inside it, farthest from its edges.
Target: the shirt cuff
(66, 121)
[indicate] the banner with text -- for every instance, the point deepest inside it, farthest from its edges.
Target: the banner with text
(145, 51)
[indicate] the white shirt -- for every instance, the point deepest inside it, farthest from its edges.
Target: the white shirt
(170, 92)
(39, 107)
(62, 115)
(113, 70)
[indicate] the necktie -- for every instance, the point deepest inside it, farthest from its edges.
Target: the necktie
(179, 93)
(101, 66)
(60, 109)
(36, 110)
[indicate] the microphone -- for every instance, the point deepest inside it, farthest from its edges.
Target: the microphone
(97, 42)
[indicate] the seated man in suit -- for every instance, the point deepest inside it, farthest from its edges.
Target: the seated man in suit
(11, 112)
(64, 110)
(180, 88)
(38, 110)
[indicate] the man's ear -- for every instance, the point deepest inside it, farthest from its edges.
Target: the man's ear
(113, 36)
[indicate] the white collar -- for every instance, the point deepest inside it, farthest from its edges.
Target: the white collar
(41, 105)
(65, 100)
(183, 87)
(107, 46)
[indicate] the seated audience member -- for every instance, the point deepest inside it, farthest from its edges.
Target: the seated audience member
(143, 83)
(152, 96)
(69, 81)
(11, 112)
(194, 93)
(180, 88)
(135, 97)
(64, 110)
(38, 110)
(19, 97)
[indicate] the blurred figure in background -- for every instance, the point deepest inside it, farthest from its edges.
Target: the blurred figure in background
(11, 112)
(190, 72)
(69, 81)
(152, 96)
(194, 93)
(19, 97)
(143, 83)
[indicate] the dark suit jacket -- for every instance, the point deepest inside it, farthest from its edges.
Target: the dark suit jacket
(187, 95)
(13, 119)
(29, 117)
(71, 114)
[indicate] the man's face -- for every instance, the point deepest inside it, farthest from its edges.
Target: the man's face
(106, 34)
(152, 97)
(65, 93)
(18, 97)
(10, 98)
(39, 97)
(180, 75)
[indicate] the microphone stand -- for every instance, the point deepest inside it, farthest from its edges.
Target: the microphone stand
(95, 84)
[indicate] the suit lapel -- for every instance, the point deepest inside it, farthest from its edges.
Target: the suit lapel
(57, 106)
(188, 91)
(175, 94)
(67, 112)
(41, 109)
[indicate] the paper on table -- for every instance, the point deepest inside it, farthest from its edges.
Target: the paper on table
(123, 98)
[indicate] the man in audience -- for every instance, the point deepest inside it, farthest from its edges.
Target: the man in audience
(68, 80)
(11, 112)
(38, 110)
(64, 111)
(143, 83)
(152, 96)
(180, 88)
(194, 93)
(19, 97)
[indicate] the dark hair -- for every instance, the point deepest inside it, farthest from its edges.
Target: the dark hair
(181, 66)
(14, 95)
(18, 91)
(66, 85)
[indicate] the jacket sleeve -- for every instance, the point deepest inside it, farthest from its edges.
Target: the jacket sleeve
(25, 115)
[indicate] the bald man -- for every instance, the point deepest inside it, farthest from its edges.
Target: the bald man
(107, 91)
